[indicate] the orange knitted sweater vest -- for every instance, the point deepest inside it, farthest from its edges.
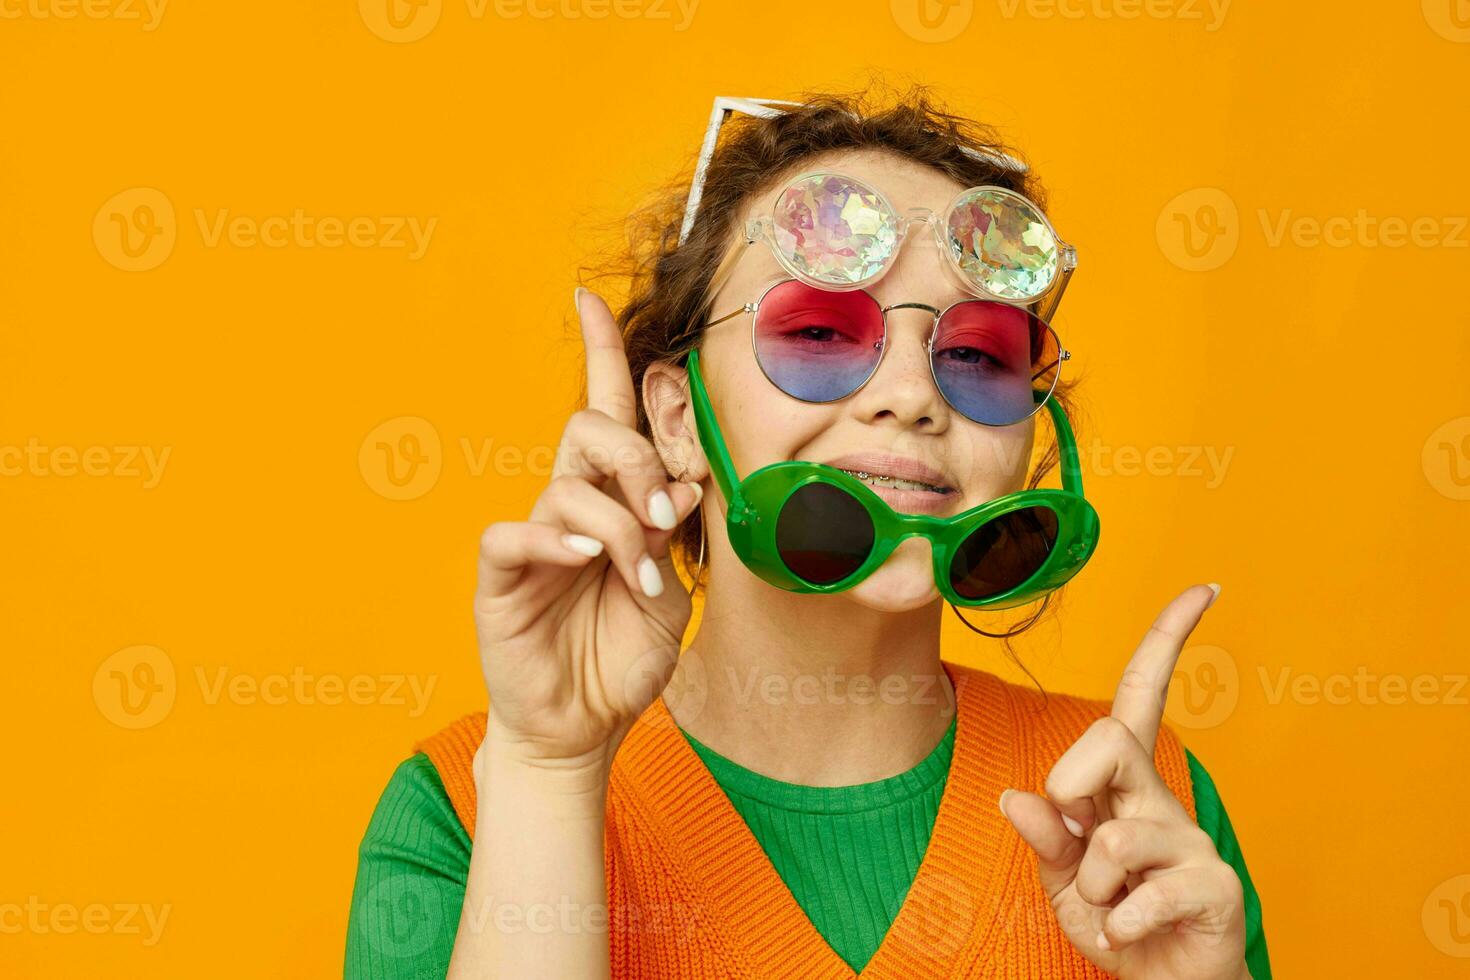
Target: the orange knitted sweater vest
(692, 895)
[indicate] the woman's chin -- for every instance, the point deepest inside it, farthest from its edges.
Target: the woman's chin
(905, 581)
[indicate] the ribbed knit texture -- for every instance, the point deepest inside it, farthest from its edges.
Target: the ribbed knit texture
(415, 851)
(1214, 821)
(848, 853)
(412, 870)
(692, 894)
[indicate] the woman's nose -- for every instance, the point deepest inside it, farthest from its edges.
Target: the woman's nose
(903, 386)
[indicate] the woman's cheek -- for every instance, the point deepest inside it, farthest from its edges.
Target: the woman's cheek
(995, 466)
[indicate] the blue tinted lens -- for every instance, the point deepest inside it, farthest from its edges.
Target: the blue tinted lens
(815, 344)
(990, 357)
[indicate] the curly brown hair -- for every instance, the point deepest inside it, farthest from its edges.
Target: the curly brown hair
(668, 285)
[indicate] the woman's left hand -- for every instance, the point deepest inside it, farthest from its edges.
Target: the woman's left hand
(1136, 885)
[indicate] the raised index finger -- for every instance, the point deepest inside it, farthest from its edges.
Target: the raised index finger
(1139, 701)
(609, 380)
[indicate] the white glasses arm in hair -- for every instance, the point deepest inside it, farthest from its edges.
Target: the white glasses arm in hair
(766, 109)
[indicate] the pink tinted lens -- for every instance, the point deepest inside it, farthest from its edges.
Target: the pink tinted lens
(985, 356)
(817, 345)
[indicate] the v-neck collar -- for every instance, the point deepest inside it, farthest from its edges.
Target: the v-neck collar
(952, 911)
(829, 801)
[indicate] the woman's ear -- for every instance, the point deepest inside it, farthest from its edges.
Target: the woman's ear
(671, 420)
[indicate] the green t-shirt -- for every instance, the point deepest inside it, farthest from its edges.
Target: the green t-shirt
(848, 854)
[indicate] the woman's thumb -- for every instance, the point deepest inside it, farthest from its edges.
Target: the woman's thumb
(1040, 825)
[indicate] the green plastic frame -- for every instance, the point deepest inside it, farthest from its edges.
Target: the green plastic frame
(754, 503)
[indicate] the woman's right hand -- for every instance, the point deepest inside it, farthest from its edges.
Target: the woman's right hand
(579, 612)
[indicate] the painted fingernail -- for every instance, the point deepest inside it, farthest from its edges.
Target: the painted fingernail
(1073, 827)
(1215, 588)
(582, 545)
(1102, 942)
(661, 509)
(649, 580)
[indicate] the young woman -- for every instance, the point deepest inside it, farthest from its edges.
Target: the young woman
(808, 790)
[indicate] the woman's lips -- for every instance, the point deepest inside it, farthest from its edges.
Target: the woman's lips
(886, 464)
(915, 501)
(875, 469)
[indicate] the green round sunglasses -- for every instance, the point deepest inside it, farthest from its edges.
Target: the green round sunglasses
(809, 527)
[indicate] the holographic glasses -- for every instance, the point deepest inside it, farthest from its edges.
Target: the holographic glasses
(836, 232)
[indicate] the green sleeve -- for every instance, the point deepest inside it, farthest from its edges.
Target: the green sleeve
(412, 867)
(1212, 819)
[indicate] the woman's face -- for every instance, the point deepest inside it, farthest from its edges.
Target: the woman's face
(897, 425)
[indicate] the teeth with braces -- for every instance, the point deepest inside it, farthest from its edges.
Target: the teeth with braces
(893, 482)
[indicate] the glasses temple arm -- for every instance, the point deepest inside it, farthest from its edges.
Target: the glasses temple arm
(1048, 307)
(723, 106)
(709, 436)
(1066, 445)
(728, 316)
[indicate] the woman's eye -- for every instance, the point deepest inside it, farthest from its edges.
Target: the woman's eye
(818, 334)
(970, 355)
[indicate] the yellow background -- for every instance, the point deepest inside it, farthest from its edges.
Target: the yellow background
(1333, 374)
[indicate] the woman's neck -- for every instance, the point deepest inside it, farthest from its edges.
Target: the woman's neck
(816, 690)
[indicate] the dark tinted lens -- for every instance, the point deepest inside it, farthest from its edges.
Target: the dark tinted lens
(989, 357)
(823, 534)
(1003, 553)
(818, 345)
